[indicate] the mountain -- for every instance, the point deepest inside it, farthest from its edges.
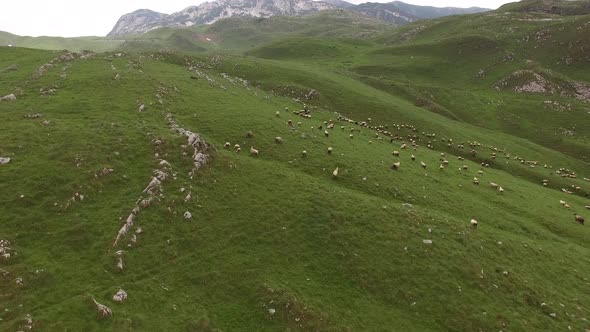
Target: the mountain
(210, 12)
(139, 21)
(396, 12)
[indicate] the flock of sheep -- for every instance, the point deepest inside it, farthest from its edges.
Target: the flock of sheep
(413, 143)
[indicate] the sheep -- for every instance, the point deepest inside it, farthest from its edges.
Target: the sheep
(253, 152)
(441, 166)
(413, 158)
(423, 164)
(227, 145)
(277, 114)
(330, 150)
(335, 172)
(566, 206)
(500, 189)
(120, 296)
(579, 219)
(403, 146)
(290, 123)
(562, 202)
(351, 136)
(278, 140)
(474, 223)
(249, 134)
(237, 147)
(238, 150)
(475, 181)
(326, 133)
(396, 166)
(304, 153)
(395, 153)
(103, 310)
(494, 185)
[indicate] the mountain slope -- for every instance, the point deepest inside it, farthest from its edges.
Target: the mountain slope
(558, 7)
(277, 241)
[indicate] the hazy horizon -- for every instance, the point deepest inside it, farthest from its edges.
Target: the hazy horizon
(66, 18)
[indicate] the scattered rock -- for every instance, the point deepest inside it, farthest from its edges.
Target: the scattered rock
(187, 215)
(4, 160)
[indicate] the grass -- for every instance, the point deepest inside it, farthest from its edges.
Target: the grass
(278, 231)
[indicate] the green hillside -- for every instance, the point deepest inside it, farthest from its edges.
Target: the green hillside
(292, 240)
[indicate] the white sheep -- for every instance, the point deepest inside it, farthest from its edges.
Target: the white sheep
(253, 152)
(227, 145)
(395, 153)
(396, 166)
(473, 223)
(335, 173)
(423, 164)
(279, 140)
(330, 150)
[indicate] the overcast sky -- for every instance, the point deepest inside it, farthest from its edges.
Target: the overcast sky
(70, 18)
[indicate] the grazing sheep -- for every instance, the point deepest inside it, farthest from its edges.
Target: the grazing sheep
(351, 136)
(475, 181)
(120, 296)
(277, 114)
(326, 133)
(227, 145)
(187, 215)
(253, 152)
(413, 158)
(396, 166)
(141, 108)
(304, 153)
(335, 172)
(237, 146)
(395, 153)
(423, 164)
(562, 202)
(579, 219)
(103, 310)
(501, 190)
(473, 223)
(494, 185)
(238, 150)
(403, 147)
(441, 166)
(567, 206)
(330, 150)
(290, 123)
(250, 134)
(278, 140)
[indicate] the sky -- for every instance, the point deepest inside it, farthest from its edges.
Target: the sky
(72, 18)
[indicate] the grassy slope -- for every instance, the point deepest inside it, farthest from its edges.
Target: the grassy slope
(342, 253)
